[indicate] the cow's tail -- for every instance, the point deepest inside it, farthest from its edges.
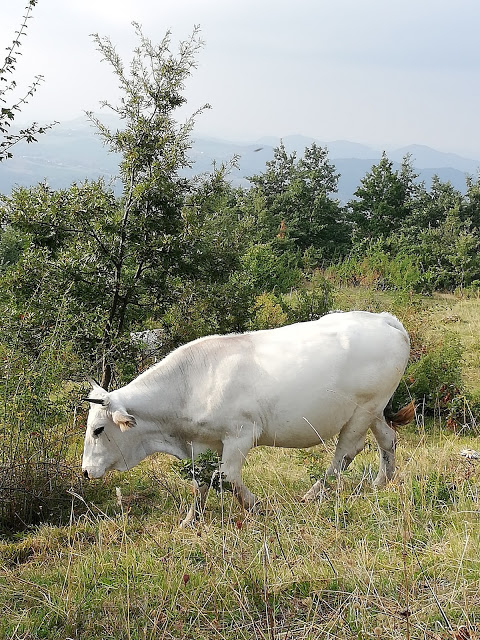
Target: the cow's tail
(402, 417)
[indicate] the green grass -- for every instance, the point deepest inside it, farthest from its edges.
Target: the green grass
(348, 567)
(402, 562)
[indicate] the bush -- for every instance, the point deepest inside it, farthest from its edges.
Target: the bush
(38, 429)
(310, 302)
(437, 373)
(435, 382)
(381, 271)
(268, 313)
(268, 268)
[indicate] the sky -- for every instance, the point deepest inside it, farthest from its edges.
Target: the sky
(386, 73)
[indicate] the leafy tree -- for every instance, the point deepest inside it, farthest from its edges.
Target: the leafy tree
(63, 259)
(298, 202)
(113, 256)
(154, 148)
(471, 202)
(9, 109)
(212, 294)
(431, 207)
(383, 201)
(449, 253)
(217, 228)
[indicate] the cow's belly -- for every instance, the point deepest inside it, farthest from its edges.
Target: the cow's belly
(305, 429)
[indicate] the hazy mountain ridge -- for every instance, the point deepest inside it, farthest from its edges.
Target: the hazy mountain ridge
(73, 152)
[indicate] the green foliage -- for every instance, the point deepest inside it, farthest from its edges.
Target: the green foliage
(113, 255)
(449, 253)
(310, 302)
(298, 204)
(268, 312)
(379, 270)
(204, 309)
(470, 203)
(12, 245)
(383, 201)
(65, 259)
(301, 305)
(436, 377)
(204, 470)
(269, 268)
(38, 428)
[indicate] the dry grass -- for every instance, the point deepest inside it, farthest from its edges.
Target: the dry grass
(402, 562)
(397, 563)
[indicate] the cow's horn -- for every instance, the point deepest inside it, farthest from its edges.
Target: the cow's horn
(94, 400)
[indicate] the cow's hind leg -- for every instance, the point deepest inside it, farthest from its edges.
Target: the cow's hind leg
(350, 442)
(386, 440)
(198, 505)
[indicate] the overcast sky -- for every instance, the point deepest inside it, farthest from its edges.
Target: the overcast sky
(381, 72)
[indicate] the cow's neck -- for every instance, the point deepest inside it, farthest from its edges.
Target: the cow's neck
(157, 399)
(155, 395)
(156, 439)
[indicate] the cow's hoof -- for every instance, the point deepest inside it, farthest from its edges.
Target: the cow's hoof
(257, 508)
(188, 522)
(311, 496)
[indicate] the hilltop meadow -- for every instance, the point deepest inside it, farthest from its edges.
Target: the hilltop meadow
(401, 562)
(84, 270)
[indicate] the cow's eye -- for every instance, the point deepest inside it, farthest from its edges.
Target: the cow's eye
(98, 431)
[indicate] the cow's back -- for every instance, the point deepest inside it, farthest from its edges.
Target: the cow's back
(315, 374)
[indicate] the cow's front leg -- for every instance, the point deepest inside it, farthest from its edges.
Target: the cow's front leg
(198, 505)
(235, 451)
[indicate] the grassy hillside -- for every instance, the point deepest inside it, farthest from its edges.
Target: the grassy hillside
(401, 562)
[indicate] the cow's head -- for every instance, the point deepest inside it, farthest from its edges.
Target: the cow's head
(110, 441)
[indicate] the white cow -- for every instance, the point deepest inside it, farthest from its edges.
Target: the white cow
(294, 386)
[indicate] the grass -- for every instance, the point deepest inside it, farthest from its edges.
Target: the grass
(401, 562)
(360, 564)
(462, 315)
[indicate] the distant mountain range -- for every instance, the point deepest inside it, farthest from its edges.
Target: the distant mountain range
(72, 152)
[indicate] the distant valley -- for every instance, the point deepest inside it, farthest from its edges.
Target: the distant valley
(72, 152)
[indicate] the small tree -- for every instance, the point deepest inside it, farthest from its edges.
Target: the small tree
(9, 109)
(299, 204)
(154, 148)
(383, 201)
(113, 256)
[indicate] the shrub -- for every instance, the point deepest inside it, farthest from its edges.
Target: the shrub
(268, 268)
(310, 302)
(268, 312)
(205, 469)
(435, 382)
(38, 428)
(379, 270)
(437, 373)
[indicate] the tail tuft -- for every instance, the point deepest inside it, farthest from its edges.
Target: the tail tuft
(402, 417)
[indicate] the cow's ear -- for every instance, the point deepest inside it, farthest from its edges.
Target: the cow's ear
(123, 420)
